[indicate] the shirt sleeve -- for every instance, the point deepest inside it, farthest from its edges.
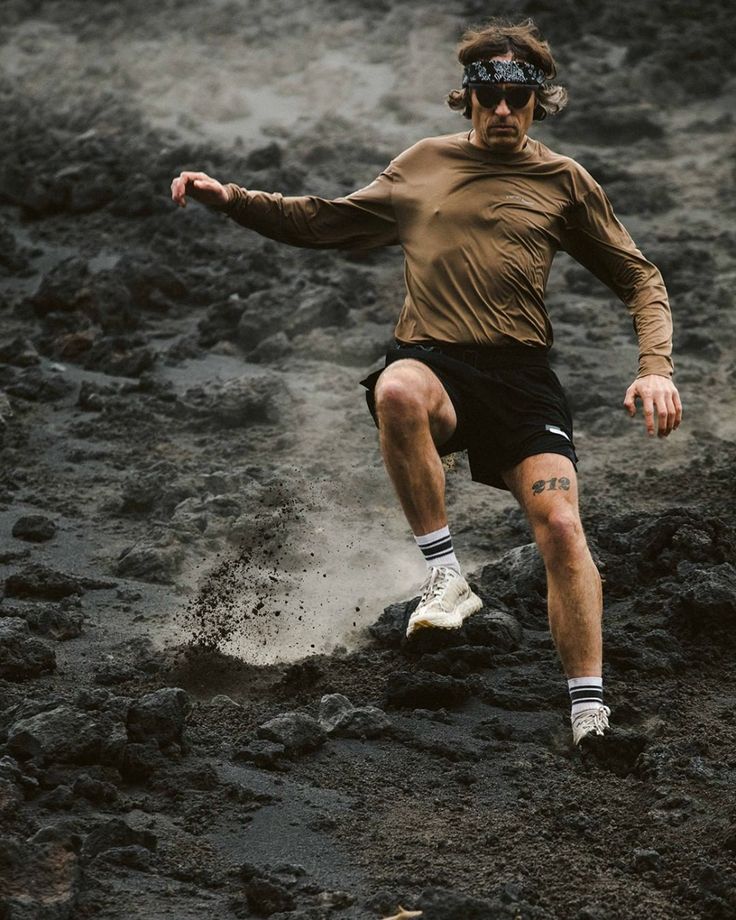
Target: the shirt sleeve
(596, 239)
(363, 220)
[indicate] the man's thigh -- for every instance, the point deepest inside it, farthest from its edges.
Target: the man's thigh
(417, 380)
(543, 484)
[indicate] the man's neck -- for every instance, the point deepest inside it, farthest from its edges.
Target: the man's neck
(473, 138)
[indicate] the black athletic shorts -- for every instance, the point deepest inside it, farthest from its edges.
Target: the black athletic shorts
(508, 401)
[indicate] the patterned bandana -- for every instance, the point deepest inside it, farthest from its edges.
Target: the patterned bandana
(502, 72)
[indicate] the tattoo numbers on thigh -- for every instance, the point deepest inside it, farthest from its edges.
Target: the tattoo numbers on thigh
(551, 485)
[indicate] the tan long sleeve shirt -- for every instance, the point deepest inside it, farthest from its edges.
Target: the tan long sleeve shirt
(479, 231)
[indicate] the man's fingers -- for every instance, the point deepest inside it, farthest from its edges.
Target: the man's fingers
(678, 409)
(179, 185)
(648, 414)
(671, 413)
(664, 424)
(630, 401)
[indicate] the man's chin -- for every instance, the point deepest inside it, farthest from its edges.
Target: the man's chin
(501, 140)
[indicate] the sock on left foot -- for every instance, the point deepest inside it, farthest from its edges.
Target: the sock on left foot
(437, 549)
(585, 693)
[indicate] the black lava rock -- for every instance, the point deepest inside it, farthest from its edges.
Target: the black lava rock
(262, 753)
(22, 655)
(37, 580)
(423, 690)
(338, 716)
(114, 834)
(297, 732)
(66, 734)
(159, 716)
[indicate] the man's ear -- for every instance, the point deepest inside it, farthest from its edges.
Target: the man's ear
(540, 113)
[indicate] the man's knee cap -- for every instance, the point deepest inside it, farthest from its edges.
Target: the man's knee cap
(560, 526)
(393, 394)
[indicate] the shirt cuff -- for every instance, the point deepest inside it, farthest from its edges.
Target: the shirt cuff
(655, 364)
(237, 198)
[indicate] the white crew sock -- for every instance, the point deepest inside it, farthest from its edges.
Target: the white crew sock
(437, 549)
(585, 693)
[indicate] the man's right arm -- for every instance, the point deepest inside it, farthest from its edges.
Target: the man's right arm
(363, 220)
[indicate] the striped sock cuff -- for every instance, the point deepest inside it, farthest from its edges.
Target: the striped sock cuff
(437, 548)
(585, 692)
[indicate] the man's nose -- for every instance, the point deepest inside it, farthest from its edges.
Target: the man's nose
(502, 108)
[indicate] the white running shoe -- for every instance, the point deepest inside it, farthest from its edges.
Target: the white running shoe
(445, 602)
(590, 721)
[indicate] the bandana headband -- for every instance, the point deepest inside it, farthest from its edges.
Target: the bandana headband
(502, 72)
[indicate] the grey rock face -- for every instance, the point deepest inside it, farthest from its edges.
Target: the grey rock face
(37, 580)
(338, 716)
(22, 655)
(116, 834)
(68, 735)
(159, 716)
(297, 732)
(56, 621)
(36, 528)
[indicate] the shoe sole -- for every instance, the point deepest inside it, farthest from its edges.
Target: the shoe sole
(451, 620)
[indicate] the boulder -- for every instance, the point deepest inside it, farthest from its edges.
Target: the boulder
(338, 716)
(297, 732)
(159, 716)
(37, 580)
(67, 734)
(114, 834)
(423, 690)
(22, 655)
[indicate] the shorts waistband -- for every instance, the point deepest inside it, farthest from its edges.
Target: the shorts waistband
(482, 357)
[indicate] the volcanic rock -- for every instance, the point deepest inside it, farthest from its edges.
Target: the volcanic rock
(707, 599)
(20, 352)
(262, 753)
(39, 385)
(266, 894)
(66, 734)
(158, 560)
(421, 689)
(35, 528)
(338, 716)
(116, 833)
(39, 878)
(298, 732)
(38, 580)
(518, 580)
(11, 797)
(141, 761)
(643, 860)
(22, 655)
(159, 716)
(240, 402)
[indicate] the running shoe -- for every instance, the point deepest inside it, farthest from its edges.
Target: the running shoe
(445, 602)
(590, 721)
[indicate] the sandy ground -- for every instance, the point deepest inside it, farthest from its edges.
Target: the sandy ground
(198, 537)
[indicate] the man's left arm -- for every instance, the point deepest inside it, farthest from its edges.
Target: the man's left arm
(595, 237)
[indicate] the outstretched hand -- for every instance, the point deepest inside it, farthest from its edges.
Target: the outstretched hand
(201, 187)
(656, 393)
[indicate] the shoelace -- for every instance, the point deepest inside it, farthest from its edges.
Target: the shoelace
(595, 721)
(435, 583)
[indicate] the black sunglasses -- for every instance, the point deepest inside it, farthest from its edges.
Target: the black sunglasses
(489, 95)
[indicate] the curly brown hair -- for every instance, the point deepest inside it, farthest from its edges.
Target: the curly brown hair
(525, 41)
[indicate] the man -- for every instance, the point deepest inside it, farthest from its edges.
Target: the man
(480, 216)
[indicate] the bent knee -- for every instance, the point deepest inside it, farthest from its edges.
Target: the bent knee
(399, 397)
(560, 531)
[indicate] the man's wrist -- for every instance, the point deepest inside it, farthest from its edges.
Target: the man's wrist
(659, 365)
(231, 190)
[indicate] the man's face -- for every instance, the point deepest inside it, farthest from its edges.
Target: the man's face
(502, 129)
